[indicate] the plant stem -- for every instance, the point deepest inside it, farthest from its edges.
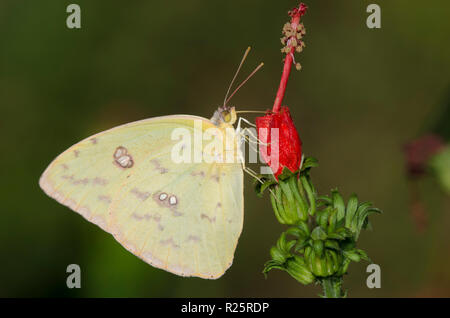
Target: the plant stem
(332, 287)
(295, 20)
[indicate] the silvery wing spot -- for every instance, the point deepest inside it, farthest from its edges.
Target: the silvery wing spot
(122, 158)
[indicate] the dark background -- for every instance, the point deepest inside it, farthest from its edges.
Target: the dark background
(361, 95)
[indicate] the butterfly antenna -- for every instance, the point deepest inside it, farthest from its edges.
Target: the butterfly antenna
(245, 81)
(252, 111)
(235, 75)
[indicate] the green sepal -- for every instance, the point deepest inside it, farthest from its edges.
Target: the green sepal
(363, 255)
(363, 217)
(332, 221)
(322, 218)
(324, 200)
(262, 183)
(331, 262)
(286, 174)
(274, 200)
(318, 247)
(347, 244)
(301, 205)
(352, 206)
(340, 234)
(354, 221)
(352, 255)
(268, 266)
(278, 255)
(297, 268)
(297, 232)
(338, 204)
(318, 233)
(332, 244)
(308, 163)
(344, 267)
(310, 193)
(301, 244)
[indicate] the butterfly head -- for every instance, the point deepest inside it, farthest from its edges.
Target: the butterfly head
(224, 115)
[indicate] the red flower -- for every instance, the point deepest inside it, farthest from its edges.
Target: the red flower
(281, 146)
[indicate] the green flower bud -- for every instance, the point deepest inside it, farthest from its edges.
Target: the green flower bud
(332, 262)
(296, 267)
(289, 206)
(317, 265)
(277, 255)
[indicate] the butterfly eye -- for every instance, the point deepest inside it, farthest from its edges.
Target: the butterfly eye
(226, 116)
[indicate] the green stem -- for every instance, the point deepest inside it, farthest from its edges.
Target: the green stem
(332, 287)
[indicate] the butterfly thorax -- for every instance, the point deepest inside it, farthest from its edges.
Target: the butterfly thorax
(224, 116)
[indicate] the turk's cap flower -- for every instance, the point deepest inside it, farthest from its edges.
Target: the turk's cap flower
(280, 143)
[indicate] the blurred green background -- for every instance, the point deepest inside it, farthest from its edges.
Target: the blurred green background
(362, 94)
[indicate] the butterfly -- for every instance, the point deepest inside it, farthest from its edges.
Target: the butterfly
(182, 217)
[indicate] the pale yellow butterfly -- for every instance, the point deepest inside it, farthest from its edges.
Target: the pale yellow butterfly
(185, 218)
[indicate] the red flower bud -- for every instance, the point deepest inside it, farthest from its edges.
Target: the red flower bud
(280, 144)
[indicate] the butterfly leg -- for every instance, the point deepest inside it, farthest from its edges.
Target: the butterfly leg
(253, 174)
(247, 122)
(245, 131)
